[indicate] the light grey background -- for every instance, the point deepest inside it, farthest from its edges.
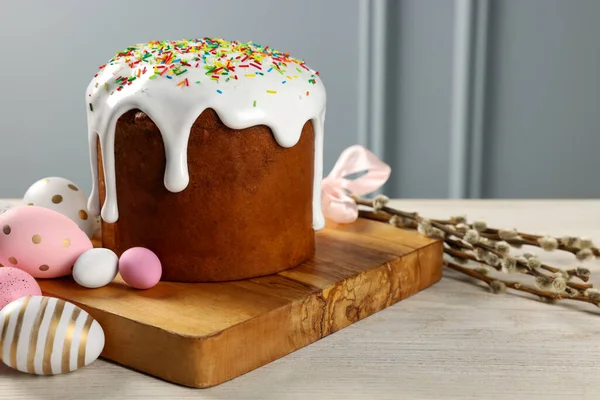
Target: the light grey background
(540, 107)
(543, 126)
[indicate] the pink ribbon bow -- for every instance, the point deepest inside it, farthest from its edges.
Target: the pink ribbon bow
(337, 187)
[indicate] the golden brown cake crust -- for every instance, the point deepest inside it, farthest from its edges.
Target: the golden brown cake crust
(246, 212)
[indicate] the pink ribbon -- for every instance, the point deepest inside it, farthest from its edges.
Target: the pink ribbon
(337, 187)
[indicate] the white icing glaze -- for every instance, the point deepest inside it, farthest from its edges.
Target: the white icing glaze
(284, 101)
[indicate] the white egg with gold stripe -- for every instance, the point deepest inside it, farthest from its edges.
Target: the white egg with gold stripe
(48, 336)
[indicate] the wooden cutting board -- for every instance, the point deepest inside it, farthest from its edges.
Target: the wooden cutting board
(201, 335)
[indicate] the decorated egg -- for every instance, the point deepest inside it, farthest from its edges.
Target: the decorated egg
(47, 336)
(4, 207)
(140, 268)
(40, 241)
(96, 268)
(63, 196)
(16, 283)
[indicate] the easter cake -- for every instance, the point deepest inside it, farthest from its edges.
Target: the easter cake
(208, 153)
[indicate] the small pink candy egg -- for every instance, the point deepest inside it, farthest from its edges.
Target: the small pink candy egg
(16, 283)
(40, 241)
(140, 268)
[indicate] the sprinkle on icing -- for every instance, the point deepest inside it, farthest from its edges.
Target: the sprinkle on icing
(221, 60)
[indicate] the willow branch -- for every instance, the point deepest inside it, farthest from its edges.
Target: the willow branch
(449, 230)
(519, 286)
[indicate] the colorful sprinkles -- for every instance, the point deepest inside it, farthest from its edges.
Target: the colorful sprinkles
(220, 59)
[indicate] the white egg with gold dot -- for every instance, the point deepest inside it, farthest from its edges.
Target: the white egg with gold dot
(63, 196)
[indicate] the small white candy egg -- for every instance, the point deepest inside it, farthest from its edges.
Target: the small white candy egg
(96, 268)
(63, 196)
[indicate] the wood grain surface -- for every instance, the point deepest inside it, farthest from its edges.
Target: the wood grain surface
(454, 340)
(203, 334)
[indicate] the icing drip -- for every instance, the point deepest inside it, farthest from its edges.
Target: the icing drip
(174, 82)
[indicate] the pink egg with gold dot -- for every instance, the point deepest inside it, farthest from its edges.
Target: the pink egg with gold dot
(140, 268)
(40, 241)
(16, 283)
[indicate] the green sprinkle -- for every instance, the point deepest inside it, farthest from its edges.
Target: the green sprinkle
(197, 82)
(298, 69)
(181, 72)
(91, 107)
(254, 105)
(154, 76)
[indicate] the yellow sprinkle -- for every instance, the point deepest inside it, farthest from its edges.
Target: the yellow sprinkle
(295, 76)
(289, 77)
(272, 91)
(250, 76)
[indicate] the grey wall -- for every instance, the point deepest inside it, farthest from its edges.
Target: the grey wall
(419, 97)
(51, 50)
(543, 124)
(532, 98)
(523, 122)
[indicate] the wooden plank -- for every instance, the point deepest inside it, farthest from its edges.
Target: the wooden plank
(201, 335)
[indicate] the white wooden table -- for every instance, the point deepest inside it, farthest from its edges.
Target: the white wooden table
(452, 341)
